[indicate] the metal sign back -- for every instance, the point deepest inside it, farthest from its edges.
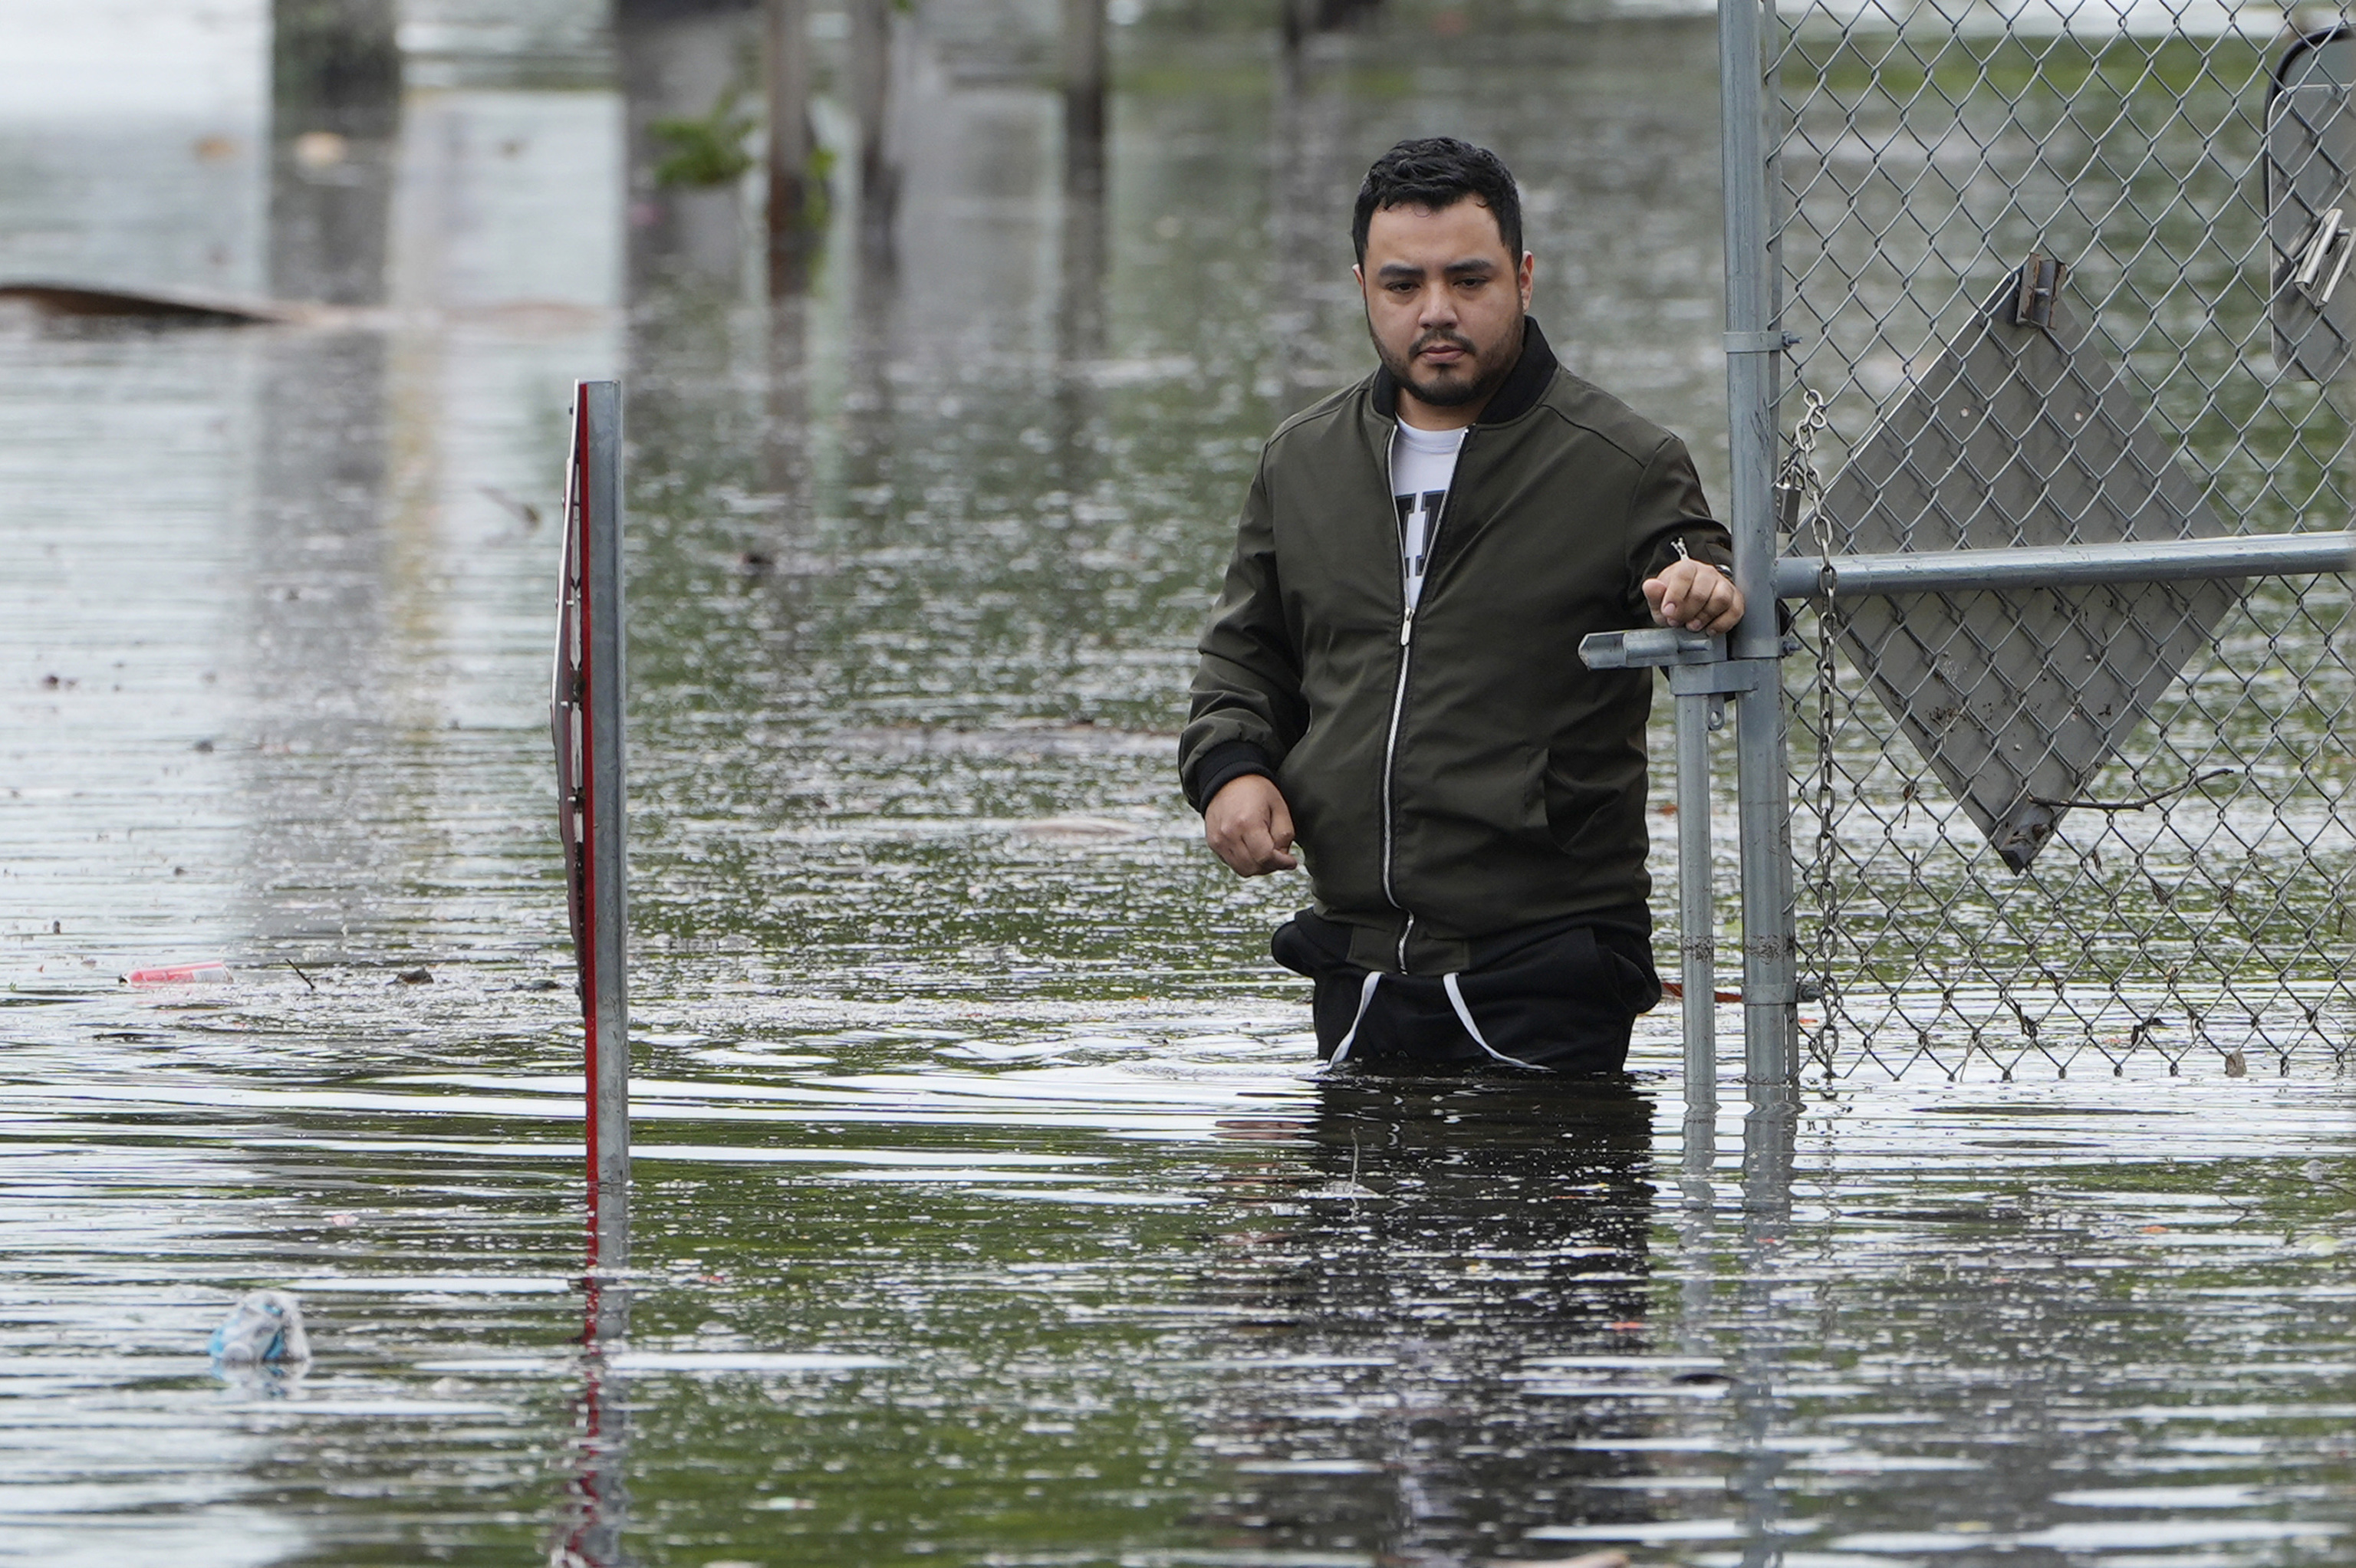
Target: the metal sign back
(586, 722)
(568, 720)
(2021, 435)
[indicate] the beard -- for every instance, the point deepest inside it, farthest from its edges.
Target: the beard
(1471, 380)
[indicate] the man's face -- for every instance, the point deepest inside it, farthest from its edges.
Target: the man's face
(1444, 303)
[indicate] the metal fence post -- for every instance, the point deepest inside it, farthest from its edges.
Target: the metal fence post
(1754, 337)
(1697, 936)
(1700, 679)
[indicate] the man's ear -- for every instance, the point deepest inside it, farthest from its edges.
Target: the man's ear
(1359, 276)
(1529, 271)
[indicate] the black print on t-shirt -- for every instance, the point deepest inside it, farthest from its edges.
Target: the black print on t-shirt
(1426, 506)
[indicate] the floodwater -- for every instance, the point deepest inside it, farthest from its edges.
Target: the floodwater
(987, 1209)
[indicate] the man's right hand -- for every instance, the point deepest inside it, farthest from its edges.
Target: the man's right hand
(1249, 826)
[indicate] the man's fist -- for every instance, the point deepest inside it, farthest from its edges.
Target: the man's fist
(1249, 826)
(1694, 596)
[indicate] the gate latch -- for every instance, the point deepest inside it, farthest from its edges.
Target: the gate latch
(2322, 258)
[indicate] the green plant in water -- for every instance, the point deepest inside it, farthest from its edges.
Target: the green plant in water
(704, 151)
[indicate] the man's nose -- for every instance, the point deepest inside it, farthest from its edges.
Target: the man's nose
(1439, 307)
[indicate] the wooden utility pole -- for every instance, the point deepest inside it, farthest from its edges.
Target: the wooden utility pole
(786, 58)
(873, 59)
(1085, 76)
(1295, 20)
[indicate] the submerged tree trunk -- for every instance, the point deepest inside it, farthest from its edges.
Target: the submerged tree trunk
(1085, 75)
(787, 69)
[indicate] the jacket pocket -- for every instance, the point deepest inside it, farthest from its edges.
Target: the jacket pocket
(1328, 783)
(1502, 793)
(1570, 810)
(1533, 821)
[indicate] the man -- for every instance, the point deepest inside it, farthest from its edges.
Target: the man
(1390, 679)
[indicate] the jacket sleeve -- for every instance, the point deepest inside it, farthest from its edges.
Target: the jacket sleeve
(1667, 505)
(1247, 710)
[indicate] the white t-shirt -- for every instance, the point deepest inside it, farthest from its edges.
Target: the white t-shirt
(1423, 462)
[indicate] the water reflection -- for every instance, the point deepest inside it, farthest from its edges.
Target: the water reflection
(318, 591)
(318, 596)
(597, 1509)
(1770, 1134)
(1451, 1318)
(390, 518)
(335, 74)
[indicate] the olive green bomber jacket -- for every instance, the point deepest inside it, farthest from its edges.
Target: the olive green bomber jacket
(1455, 773)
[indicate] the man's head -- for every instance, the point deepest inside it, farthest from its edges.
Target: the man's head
(1439, 235)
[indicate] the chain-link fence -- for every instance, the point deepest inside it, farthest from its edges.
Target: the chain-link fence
(2106, 828)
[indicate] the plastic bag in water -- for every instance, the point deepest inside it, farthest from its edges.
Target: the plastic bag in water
(211, 972)
(264, 1328)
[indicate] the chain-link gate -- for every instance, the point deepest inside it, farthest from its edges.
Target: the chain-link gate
(2064, 275)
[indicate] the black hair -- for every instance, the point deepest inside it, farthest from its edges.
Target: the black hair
(1439, 172)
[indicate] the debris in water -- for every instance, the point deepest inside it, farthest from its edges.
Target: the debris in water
(265, 1328)
(1082, 827)
(523, 512)
(414, 977)
(211, 972)
(1674, 991)
(2236, 1065)
(320, 149)
(201, 309)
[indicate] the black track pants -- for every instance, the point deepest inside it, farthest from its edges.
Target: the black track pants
(1558, 997)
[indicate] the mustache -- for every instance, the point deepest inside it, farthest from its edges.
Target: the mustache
(1441, 335)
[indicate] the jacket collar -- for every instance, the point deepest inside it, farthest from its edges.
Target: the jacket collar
(1514, 397)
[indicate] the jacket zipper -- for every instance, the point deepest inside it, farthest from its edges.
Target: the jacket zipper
(1398, 692)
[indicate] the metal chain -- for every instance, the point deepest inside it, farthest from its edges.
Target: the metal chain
(1803, 489)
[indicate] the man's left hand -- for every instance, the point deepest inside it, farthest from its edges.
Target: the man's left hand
(1694, 596)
